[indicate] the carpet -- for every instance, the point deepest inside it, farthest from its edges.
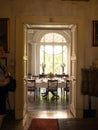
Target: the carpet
(44, 124)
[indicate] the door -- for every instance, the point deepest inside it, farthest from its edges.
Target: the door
(25, 70)
(73, 66)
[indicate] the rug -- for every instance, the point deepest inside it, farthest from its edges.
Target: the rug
(44, 124)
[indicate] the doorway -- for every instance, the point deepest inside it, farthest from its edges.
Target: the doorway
(21, 59)
(34, 34)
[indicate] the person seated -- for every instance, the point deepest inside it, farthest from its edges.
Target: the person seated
(4, 80)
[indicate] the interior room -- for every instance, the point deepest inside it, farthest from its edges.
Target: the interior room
(36, 57)
(55, 39)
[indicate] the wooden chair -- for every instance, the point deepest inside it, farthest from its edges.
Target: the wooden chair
(42, 76)
(67, 88)
(32, 87)
(61, 75)
(52, 87)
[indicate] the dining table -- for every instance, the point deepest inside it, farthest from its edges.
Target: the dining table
(43, 83)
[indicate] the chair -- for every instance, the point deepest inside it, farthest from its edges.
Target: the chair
(52, 87)
(61, 75)
(67, 88)
(42, 76)
(35, 76)
(32, 86)
(64, 76)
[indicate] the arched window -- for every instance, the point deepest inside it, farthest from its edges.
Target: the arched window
(53, 53)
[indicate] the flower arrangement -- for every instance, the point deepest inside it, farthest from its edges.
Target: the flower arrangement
(50, 75)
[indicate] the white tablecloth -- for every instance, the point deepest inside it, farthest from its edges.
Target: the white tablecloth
(43, 83)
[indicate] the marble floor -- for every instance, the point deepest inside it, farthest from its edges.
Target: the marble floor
(48, 103)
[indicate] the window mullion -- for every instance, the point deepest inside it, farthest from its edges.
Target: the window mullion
(44, 48)
(53, 52)
(62, 53)
(53, 59)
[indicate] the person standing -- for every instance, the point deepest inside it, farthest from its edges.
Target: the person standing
(4, 80)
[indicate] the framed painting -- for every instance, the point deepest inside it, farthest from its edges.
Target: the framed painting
(75, 0)
(4, 33)
(95, 33)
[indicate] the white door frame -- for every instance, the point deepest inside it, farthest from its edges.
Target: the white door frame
(20, 21)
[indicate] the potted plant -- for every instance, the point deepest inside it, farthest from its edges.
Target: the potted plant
(50, 75)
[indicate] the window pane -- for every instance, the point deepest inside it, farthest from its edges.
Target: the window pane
(48, 49)
(58, 38)
(47, 37)
(41, 54)
(41, 57)
(49, 63)
(53, 37)
(57, 63)
(57, 49)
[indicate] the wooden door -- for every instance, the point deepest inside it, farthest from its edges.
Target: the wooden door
(25, 70)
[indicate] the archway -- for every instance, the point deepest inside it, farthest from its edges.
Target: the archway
(61, 42)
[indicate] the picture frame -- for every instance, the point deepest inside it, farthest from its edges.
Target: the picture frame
(4, 34)
(74, 0)
(4, 61)
(95, 33)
